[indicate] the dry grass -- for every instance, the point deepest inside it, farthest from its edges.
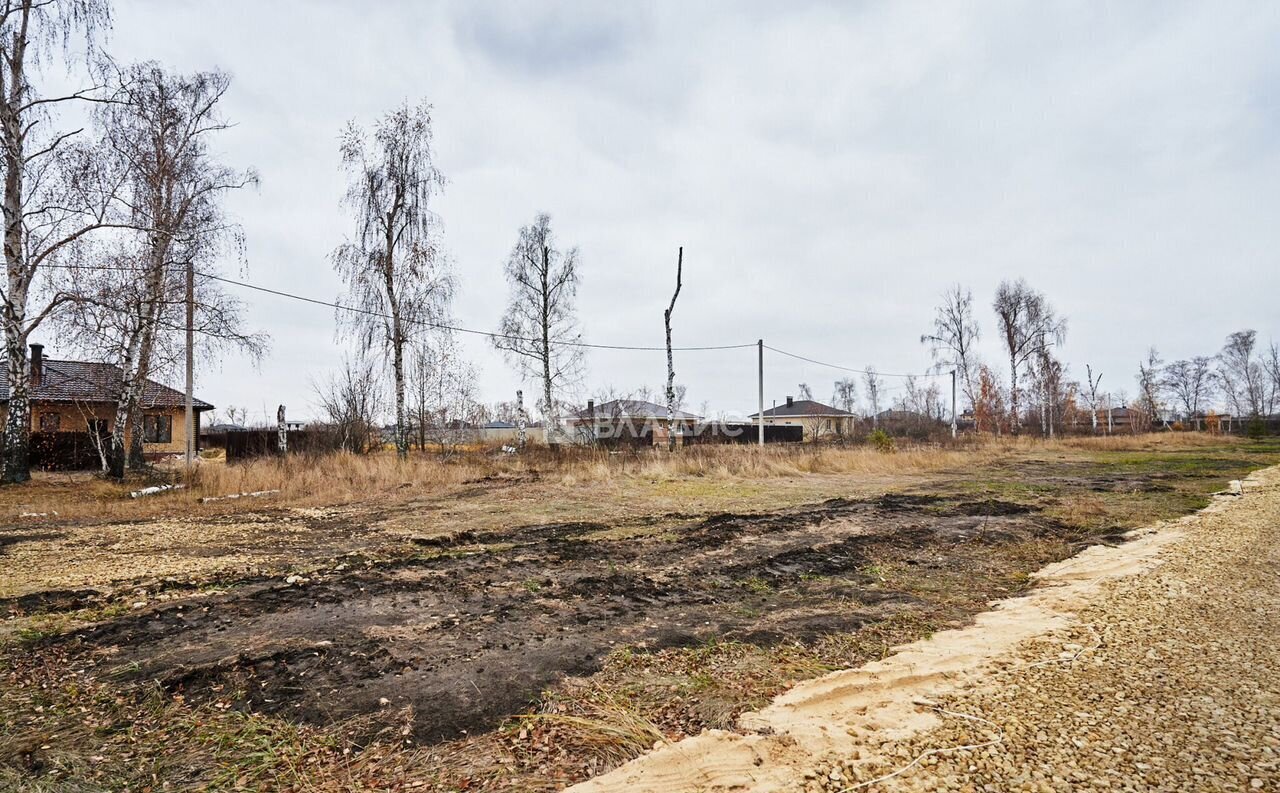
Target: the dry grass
(341, 479)
(1160, 441)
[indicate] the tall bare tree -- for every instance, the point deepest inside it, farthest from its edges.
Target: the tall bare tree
(874, 385)
(1271, 365)
(1092, 395)
(1190, 381)
(671, 367)
(539, 331)
(157, 134)
(844, 394)
(1028, 326)
(1151, 384)
(1241, 375)
(398, 284)
(1053, 390)
(352, 404)
(805, 391)
(43, 214)
(954, 337)
(443, 383)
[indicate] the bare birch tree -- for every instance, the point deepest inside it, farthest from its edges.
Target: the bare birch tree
(1191, 383)
(1271, 365)
(671, 367)
(874, 385)
(157, 135)
(539, 330)
(1151, 384)
(443, 385)
(1092, 383)
(844, 394)
(955, 334)
(398, 284)
(1241, 375)
(43, 214)
(1028, 326)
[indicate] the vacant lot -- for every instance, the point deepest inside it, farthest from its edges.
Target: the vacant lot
(479, 623)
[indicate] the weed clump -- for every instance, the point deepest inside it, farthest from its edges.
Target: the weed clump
(882, 442)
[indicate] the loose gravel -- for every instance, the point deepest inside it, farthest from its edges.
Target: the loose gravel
(1170, 681)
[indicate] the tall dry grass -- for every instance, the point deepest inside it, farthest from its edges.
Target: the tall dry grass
(1156, 441)
(342, 478)
(345, 478)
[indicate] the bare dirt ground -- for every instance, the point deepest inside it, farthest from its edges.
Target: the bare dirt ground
(1150, 666)
(451, 642)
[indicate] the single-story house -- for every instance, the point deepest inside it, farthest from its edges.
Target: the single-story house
(818, 420)
(627, 420)
(79, 396)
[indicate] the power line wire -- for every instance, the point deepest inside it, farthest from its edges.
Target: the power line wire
(491, 334)
(847, 368)
(460, 329)
(424, 323)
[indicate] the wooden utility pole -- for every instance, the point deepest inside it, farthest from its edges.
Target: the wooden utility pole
(191, 365)
(760, 379)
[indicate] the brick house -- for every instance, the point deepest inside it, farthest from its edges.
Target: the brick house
(78, 396)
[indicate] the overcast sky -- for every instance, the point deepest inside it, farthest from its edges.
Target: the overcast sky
(828, 168)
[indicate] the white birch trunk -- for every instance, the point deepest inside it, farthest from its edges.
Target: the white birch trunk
(671, 369)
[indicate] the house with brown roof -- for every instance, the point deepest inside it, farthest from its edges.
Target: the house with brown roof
(80, 396)
(817, 419)
(627, 421)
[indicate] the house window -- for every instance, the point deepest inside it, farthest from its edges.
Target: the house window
(157, 429)
(50, 422)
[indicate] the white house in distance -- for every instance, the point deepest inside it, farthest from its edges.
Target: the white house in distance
(818, 420)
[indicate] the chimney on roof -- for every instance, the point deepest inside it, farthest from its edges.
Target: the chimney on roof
(37, 363)
(790, 402)
(591, 408)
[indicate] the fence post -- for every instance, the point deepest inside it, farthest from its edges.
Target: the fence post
(282, 432)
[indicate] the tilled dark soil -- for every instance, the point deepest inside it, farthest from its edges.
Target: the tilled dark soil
(476, 627)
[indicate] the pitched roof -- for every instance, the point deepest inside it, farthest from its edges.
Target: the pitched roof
(805, 407)
(632, 409)
(83, 381)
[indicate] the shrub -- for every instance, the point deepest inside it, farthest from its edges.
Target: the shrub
(882, 442)
(1256, 428)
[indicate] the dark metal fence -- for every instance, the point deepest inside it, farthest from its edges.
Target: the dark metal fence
(64, 451)
(725, 432)
(248, 444)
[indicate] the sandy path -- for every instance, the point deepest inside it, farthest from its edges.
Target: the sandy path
(1154, 665)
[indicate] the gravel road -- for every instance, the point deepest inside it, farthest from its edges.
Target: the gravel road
(1170, 680)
